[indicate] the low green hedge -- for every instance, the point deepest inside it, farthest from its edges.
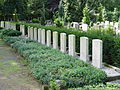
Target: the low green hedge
(108, 86)
(10, 32)
(34, 20)
(48, 64)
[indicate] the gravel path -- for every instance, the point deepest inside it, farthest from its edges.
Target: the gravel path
(13, 75)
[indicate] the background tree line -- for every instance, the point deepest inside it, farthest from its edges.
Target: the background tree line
(65, 10)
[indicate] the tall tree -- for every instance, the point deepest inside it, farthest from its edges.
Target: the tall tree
(86, 17)
(115, 15)
(11, 5)
(100, 10)
(39, 9)
(104, 14)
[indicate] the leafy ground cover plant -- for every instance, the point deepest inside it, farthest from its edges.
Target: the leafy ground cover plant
(10, 32)
(108, 86)
(48, 65)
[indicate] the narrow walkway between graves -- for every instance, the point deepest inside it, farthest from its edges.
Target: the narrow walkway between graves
(13, 74)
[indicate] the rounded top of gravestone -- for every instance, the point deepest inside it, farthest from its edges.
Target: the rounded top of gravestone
(97, 40)
(63, 33)
(72, 35)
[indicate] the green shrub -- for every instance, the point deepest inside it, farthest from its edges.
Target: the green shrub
(86, 14)
(48, 65)
(34, 20)
(10, 32)
(58, 23)
(27, 53)
(14, 39)
(108, 86)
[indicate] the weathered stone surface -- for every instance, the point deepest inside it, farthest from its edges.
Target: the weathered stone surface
(28, 31)
(97, 46)
(71, 45)
(85, 27)
(55, 40)
(106, 24)
(43, 36)
(31, 33)
(39, 35)
(35, 34)
(84, 49)
(2, 24)
(63, 42)
(49, 38)
(22, 29)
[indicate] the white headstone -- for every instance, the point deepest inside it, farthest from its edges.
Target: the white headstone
(95, 26)
(71, 44)
(48, 38)
(106, 24)
(85, 27)
(22, 29)
(11, 26)
(63, 42)
(102, 24)
(75, 25)
(112, 24)
(97, 46)
(28, 31)
(39, 35)
(2, 24)
(14, 26)
(6, 25)
(68, 25)
(35, 34)
(55, 40)
(43, 36)
(84, 53)
(117, 32)
(31, 33)
(116, 26)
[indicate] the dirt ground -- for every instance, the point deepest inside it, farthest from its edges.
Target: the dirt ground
(14, 75)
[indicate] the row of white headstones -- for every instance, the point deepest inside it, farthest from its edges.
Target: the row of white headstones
(44, 37)
(105, 25)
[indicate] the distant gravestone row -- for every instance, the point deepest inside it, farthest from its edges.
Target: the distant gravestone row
(76, 25)
(45, 37)
(8, 25)
(107, 24)
(49, 38)
(99, 25)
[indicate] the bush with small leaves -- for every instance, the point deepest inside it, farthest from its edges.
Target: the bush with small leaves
(10, 32)
(48, 65)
